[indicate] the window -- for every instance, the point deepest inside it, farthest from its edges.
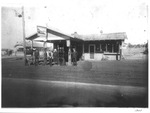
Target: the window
(103, 47)
(86, 48)
(97, 48)
(116, 47)
(109, 47)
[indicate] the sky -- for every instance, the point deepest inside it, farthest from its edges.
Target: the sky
(81, 16)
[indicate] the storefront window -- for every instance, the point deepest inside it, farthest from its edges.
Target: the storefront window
(109, 47)
(86, 48)
(103, 47)
(116, 48)
(97, 48)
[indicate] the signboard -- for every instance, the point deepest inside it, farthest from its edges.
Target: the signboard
(42, 31)
(68, 43)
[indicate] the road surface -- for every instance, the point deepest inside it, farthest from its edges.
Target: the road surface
(45, 93)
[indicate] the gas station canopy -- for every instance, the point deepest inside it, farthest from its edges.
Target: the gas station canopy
(50, 35)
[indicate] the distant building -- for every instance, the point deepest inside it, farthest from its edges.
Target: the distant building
(5, 52)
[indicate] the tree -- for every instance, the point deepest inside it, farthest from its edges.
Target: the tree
(130, 45)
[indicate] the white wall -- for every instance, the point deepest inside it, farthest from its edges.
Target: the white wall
(111, 57)
(99, 56)
(50, 46)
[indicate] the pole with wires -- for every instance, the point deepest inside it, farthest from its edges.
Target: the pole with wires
(24, 40)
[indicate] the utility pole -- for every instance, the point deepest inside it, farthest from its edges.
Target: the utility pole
(24, 36)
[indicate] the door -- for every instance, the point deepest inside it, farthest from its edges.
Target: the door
(92, 50)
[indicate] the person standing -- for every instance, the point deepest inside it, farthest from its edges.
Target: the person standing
(36, 55)
(45, 57)
(55, 55)
(50, 56)
(74, 57)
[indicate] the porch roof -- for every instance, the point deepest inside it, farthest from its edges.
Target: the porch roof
(28, 44)
(109, 36)
(53, 35)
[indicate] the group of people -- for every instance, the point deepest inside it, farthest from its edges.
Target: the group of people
(53, 57)
(48, 57)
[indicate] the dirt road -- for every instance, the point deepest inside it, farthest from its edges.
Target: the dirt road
(42, 93)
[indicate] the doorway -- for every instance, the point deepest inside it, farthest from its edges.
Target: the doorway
(92, 50)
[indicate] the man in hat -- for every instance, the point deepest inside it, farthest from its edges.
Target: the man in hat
(36, 55)
(45, 57)
(74, 57)
(50, 57)
(55, 55)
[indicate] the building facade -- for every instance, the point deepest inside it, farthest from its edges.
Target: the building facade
(103, 46)
(88, 47)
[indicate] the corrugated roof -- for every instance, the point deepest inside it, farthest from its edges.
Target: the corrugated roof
(75, 36)
(54, 34)
(109, 36)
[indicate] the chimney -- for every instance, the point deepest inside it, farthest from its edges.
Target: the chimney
(75, 34)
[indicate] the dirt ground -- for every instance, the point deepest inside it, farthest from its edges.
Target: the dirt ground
(17, 80)
(125, 72)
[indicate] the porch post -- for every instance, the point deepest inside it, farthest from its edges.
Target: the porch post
(69, 52)
(112, 48)
(83, 50)
(58, 53)
(120, 50)
(118, 47)
(32, 49)
(106, 47)
(45, 40)
(31, 44)
(100, 47)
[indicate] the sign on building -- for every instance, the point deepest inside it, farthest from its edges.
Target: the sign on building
(68, 43)
(42, 31)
